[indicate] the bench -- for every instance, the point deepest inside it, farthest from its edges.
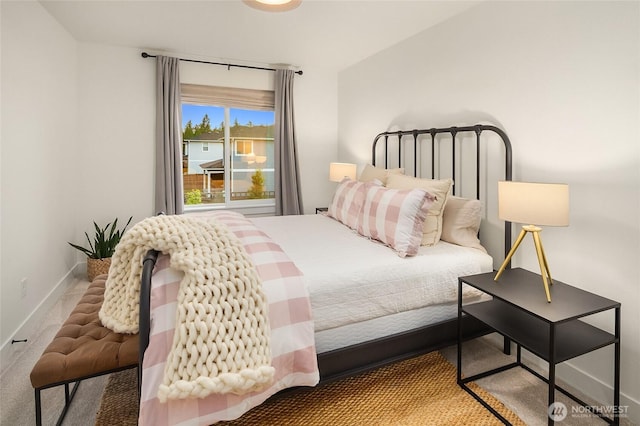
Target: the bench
(82, 348)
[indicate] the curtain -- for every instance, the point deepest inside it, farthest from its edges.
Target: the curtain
(169, 190)
(287, 178)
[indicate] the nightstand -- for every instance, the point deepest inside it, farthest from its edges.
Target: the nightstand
(321, 209)
(552, 331)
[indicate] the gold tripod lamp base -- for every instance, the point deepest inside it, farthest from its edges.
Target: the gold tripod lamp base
(542, 259)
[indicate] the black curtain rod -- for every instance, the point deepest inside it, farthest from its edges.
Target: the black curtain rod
(146, 55)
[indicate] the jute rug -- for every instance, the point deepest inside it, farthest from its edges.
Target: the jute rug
(420, 391)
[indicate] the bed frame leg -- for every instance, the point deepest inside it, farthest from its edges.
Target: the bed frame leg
(506, 346)
(139, 382)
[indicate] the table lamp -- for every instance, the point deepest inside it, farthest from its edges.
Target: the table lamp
(533, 204)
(339, 171)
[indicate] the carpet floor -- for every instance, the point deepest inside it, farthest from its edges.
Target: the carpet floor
(417, 391)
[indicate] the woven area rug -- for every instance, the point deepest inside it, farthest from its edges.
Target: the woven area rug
(119, 404)
(419, 391)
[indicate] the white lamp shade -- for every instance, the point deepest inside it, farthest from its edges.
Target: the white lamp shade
(544, 204)
(338, 171)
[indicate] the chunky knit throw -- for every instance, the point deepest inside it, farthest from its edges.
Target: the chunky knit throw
(221, 342)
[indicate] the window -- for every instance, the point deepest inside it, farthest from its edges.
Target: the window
(244, 147)
(228, 150)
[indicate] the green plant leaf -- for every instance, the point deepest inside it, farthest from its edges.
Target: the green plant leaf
(93, 250)
(82, 249)
(104, 241)
(113, 229)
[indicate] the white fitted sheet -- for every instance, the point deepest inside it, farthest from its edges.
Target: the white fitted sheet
(352, 279)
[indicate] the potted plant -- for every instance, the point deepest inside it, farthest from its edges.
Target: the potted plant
(102, 248)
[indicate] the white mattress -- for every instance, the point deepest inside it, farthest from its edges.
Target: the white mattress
(359, 332)
(353, 280)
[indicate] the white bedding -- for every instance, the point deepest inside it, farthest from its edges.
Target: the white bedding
(359, 290)
(365, 279)
(360, 332)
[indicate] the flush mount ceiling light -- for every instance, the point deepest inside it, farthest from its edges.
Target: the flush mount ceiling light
(273, 5)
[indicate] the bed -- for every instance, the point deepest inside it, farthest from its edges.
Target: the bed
(369, 305)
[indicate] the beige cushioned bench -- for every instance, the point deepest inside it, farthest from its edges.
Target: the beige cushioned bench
(82, 348)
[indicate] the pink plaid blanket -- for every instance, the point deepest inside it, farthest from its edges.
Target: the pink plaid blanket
(292, 338)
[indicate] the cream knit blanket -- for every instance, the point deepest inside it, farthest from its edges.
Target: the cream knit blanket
(221, 342)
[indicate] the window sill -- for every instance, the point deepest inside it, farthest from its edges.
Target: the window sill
(254, 209)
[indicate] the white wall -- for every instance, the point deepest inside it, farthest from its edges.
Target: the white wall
(117, 124)
(78, 128)
(40, 185)
(316, 132)
(562, 79)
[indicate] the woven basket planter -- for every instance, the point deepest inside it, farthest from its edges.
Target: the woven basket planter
(97, 267)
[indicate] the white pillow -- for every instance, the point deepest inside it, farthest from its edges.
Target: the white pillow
(395, 217)
(440, 189)
(461, 222)
(371, 173)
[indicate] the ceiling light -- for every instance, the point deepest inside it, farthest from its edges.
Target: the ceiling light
(273, 5)
(274, 2)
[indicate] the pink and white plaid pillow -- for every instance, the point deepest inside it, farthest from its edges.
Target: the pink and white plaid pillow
(395, 217)
(347, 201)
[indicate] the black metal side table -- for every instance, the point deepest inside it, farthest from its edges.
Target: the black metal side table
(552, 331)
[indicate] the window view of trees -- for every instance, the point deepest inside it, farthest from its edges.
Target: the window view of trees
(245, 173)
(204, 127)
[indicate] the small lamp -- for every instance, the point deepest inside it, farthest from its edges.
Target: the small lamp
(533, 204)
(339, 171)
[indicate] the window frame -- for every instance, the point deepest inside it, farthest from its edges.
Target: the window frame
(228, 98)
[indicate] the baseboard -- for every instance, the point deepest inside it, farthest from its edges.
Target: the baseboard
(9, 352)
(599, 391)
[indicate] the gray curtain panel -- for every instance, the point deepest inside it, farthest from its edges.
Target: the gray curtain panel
(287, 179)
(169, 190)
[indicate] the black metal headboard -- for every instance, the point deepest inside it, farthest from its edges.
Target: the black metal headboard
(407, 146)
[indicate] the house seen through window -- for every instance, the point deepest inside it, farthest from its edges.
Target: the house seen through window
(228, 155)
